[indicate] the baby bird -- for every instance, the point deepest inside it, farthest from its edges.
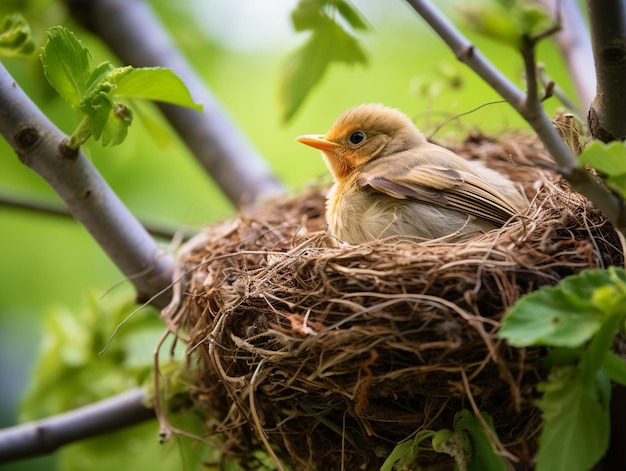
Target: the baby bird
(390, 181)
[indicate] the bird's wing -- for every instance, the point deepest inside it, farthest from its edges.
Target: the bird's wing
(461, 190)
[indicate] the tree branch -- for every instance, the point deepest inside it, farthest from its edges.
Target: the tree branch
(135, 34)
(533, 113)
(45, 436)
(40, 207)
(43, 147)
(608, 37)
(573, 40)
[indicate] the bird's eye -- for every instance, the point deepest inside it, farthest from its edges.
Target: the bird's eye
(357, 137)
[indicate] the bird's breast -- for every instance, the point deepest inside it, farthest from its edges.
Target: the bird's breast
(358, 214)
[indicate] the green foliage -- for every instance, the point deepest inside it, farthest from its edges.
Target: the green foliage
(405, 453)
(468, 444)
(562, 316)
(98, 92)
(329, 42)
(483, 456)
(610, 161)
(506, 21)
(579, 320)
(97, 353)
(576, 420)
(138, 448)
(73, 354)
(15, 37)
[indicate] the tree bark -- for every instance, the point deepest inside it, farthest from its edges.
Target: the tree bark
(607, 118)
(45, 436)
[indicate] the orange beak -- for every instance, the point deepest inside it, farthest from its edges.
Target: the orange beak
(319, 142)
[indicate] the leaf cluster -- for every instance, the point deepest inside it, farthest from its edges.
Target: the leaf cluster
(99, 92)
(330, 41)
(16, 37)
(610, 161)
(506, 21)
(578, 321)
(468, 444)
(94, 354)
(79, 352)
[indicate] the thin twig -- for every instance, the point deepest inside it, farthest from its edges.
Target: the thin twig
(558, 92)
(534, 114)
(40, 145)
(43, 208)
(573, 40)
(45, 436)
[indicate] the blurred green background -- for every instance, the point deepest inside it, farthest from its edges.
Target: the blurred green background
(239, 47)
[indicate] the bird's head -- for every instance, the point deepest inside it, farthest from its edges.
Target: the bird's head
(362, 134)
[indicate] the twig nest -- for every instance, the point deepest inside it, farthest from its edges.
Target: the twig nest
(326, 357)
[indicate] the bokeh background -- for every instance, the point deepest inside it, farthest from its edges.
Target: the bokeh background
(239, 47)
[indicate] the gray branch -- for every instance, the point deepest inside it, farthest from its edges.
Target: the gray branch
(608, 37)
(135, 34)
(45, 436)
(157, 230)
(530, 110)
(41, 146)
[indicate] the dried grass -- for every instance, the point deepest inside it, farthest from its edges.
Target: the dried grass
(327, 357)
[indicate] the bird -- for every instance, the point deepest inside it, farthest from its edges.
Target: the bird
(389, 180)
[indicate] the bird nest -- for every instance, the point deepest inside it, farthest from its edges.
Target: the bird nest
(323, 357)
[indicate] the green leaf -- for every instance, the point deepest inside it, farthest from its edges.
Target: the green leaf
(482, 456)
(468, 444)
(305, 67)
(73, 370)
(563, 316)
(308, 14)
(98, 75)
(351, 15)
(405, 453)
(116, 126)
(402, 454)
(506, 22)
(157, 84)
(608, 159)
(615, 366)
(599, 347)
(15, 37)
(159, 131)
(329, 42)
(66, 64)
(548, 317)
(98, 93)
(576, 427)
(108, 119)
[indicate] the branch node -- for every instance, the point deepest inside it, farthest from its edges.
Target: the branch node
(66, 152)
(597, 130)
(548, 90)
(613, 55)
(465, 53)
(26, 138)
